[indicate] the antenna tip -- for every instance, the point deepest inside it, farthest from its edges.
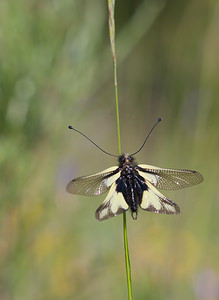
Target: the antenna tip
(70, 127)
(159, 119)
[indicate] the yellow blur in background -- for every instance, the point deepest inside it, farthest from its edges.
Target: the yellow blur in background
(56, 70)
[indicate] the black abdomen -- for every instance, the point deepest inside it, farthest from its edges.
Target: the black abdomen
(131, 185)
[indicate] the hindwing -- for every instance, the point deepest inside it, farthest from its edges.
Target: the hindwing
(154, 201)
(113, 205)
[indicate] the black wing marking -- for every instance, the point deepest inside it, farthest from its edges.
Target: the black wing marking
(154, 201)
(95, 184)
(169, 179)
(113, 205)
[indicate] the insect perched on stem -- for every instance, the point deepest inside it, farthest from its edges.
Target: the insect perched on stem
(131, 185)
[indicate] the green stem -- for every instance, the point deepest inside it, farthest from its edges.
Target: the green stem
(117, 107)
(127, 260)
(111, 6)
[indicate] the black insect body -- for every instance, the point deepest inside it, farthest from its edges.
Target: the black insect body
(132, 186)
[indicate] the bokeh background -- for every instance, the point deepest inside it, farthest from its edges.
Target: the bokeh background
(56, 70)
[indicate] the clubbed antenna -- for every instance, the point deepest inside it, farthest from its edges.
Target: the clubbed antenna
(158, 121)
(70, 127)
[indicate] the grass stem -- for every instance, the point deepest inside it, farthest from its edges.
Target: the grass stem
(111, 7)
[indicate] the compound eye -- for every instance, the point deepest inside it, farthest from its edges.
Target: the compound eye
(121, 159)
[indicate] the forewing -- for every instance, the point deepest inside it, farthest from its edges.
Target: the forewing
(154, 201)
(95, 184)
(113, 205)
(169, 179)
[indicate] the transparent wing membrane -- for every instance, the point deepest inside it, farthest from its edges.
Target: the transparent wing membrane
(169, 179)
(95, 184)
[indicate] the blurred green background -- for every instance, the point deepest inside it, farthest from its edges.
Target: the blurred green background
(55, 71)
